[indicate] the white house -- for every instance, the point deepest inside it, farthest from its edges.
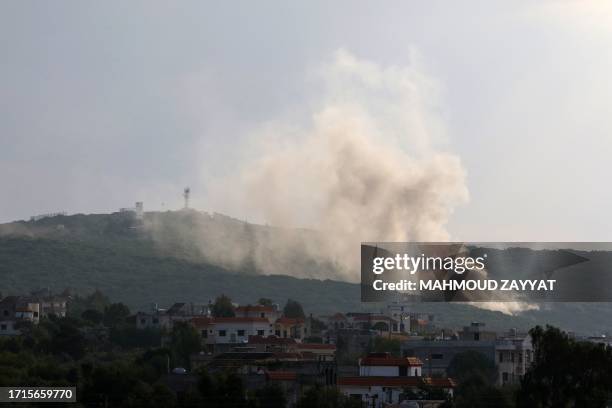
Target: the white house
(268, 312)
(385, 365)
(384, 379)
(238, 329)
(514, 355)
(377, 392)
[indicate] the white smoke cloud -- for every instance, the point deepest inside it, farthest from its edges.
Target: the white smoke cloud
(365, 167)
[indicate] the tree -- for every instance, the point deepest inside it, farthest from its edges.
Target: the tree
(472, 363)
(115, 314)
(293, 309)
(66, 338)
(566, 372)
(381, 327)
(270, 396)
(265, 302)
(385, 345)
(78, 304)
(223, 307)
(92, 316)
(476, 392)
(325, 397)
(231, 390)
(184, 341)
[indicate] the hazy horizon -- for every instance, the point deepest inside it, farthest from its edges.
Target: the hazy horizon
(105, 104)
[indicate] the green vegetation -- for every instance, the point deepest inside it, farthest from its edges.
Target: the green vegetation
(114, 254)
(469, 364)
(566, 372)
(293, 309)
(223, 307)
(382, 344)
(325, 397)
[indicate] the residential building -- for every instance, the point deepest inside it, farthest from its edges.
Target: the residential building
(384, 379)
(385, 365)
(320, 352)
(438, 354)
(50, 304)
(286, 327)
(14, 310)
(514, 355)
(268, 312)
(272, 344)
(165, 319)
(475, 331)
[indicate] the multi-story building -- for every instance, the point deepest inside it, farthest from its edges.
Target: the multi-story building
(385, 365)
(15, 310)
(165, 319)
(514, 355)
(384, 379)
(320, 352)
(220, 334)
(476, 332)
(287, 327)
(268, 312)
(50, 304)
(438, 354)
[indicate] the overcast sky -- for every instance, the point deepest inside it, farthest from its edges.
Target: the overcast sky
(107, 103)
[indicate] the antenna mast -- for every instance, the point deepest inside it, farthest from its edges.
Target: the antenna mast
(186, 193)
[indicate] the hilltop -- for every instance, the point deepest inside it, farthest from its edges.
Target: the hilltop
(166, 257)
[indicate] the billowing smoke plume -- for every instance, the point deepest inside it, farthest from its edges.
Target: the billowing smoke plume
(365, 167)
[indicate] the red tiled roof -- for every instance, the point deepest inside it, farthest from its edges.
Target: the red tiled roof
(289, 321)
(397, 381)
(270, 340)
(316, 346)
(254, 308)
(281, 375)
(202, 321)
(390, 361)
(240, 320)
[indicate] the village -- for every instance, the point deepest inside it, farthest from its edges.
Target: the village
(381, 359)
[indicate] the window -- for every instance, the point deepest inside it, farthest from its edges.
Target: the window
(204, 334)
(260, 332)
(241, 333)
(6, 312)
(512, 356)
(3, 327)
(437, 356)
(476, 336)
(142, 321)
(222, 333)
(155, 320)
(501, 357)
(505, 377)
(262, 314)
(35, 314)
(277, 333)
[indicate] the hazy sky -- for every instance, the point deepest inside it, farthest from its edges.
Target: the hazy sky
(107, 103)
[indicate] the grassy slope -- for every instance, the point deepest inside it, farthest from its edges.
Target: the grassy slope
(104, 252)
